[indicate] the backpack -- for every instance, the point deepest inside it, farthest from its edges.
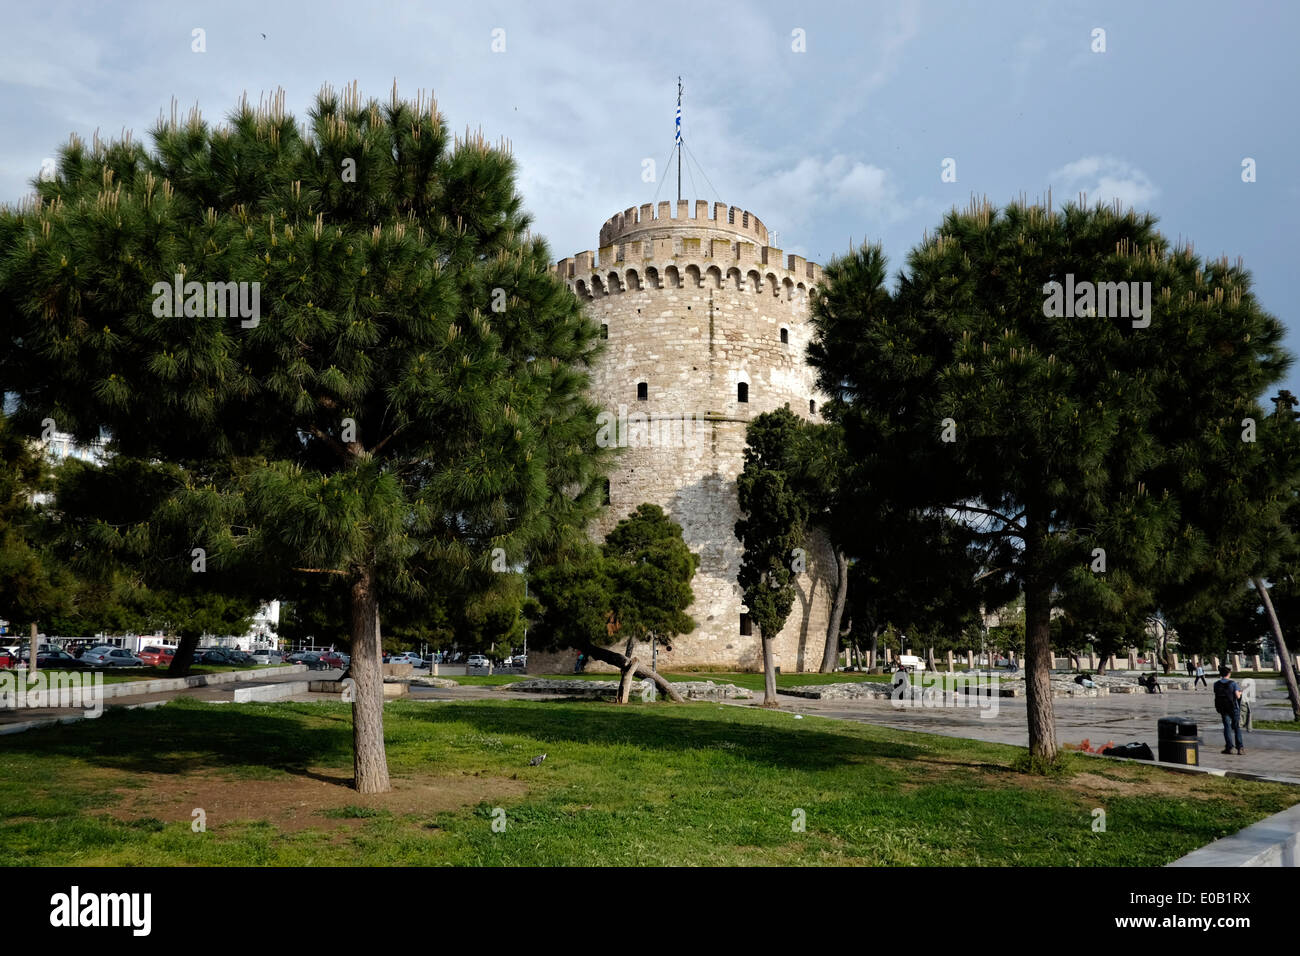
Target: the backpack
(1225, 697)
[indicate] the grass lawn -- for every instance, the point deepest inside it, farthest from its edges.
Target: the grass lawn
(1293, 725)
(645, 784)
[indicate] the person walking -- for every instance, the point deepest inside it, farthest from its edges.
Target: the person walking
(1227, 702)
(1200, 677)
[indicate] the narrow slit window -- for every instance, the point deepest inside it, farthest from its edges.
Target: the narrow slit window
(746, 627)
(605, 490)
(785, 336)
(812, 406)
(742, 392)
(642, 391)
(604, 330)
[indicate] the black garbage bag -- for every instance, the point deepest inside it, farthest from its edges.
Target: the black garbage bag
(1134, 751)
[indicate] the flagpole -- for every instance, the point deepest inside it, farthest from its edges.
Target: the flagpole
(679, 139)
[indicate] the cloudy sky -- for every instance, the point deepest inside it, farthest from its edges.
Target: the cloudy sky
(840, 141)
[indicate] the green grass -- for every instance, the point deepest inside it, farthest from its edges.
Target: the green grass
(1293, 725)
(640, 785)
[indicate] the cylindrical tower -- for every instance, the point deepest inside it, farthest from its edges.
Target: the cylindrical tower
(707, 327)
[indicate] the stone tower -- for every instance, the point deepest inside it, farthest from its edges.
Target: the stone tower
(707, 327)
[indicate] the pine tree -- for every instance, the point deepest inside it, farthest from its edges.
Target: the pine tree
(400, 405)
(1065, 434)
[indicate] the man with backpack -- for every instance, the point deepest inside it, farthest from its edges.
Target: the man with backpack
(1227, 702)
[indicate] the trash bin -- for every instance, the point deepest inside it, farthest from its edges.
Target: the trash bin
(1177, 740)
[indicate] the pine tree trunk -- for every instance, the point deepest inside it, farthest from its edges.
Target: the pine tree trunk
(769, 674)
(625, 681)
(618, 660)
(183, 660)
(1038, 649)
(831, 657)
(1288, 665)
(370, 762)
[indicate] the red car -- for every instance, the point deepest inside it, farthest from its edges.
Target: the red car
(8, 658)
(157, 656)
(332, 659)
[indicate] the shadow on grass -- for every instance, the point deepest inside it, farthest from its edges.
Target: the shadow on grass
(660, 728)
(181, 738)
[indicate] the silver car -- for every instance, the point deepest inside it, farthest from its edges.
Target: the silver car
(106, 656)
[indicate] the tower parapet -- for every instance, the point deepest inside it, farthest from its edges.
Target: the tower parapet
(715, 246)
(649, 219)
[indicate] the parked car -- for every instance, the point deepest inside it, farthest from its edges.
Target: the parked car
(57, 659)
(265, 656)
(106, 656)
(332, 659)
(212, 656)
(156, 656)
(9, 657)
(477, 660)
(240, 657)
(310, 659)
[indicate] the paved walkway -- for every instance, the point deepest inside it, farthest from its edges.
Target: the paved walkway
(1118, 718)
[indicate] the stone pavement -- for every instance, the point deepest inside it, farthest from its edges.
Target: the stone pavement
(1118, 718)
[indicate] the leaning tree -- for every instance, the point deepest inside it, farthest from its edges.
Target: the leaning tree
(346, 321)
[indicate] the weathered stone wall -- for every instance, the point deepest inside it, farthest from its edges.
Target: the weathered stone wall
(694, 317)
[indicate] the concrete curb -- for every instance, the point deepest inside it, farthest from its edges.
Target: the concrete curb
(1273, 841)
(24, 725)
(277, 691)
(1207, 771)
(166, 684)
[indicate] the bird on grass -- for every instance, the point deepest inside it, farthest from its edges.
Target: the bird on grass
(536, 760)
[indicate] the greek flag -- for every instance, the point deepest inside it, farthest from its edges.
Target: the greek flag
(678, 139)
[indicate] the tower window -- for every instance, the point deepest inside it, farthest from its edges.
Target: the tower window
(785, 336)
(642, 391)
(604, 330)
(742, 392)
(746, 626)
(605, 483)
(812, 406)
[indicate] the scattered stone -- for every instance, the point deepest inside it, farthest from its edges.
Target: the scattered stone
(434, 682)
(691, 690)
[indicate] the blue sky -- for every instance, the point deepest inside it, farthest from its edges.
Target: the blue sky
(838, 143)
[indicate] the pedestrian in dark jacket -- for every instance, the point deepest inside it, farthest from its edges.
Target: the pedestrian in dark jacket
(1227, 702)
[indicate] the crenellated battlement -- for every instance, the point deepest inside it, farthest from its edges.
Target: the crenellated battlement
(688, 262)
(668, 217)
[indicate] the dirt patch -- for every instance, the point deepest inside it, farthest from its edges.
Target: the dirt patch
(296, 803)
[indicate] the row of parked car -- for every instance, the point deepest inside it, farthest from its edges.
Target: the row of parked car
(107, 655)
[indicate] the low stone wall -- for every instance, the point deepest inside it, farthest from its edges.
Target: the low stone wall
(644, 689)
(392, 688)
(163, 685)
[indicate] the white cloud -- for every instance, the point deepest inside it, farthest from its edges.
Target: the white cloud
(1105, 179)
